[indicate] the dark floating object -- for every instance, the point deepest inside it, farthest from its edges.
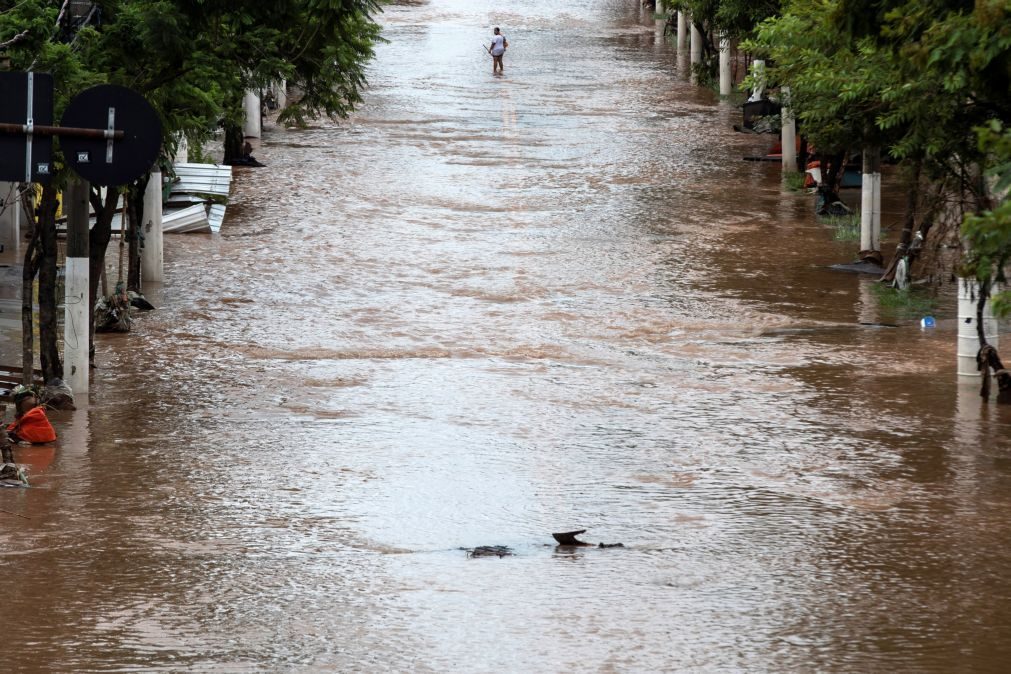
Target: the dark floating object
(490, 551)
(569, 538)
(138, 301)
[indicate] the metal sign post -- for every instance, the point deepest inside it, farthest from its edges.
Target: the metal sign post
(110, 136)
(27, 156)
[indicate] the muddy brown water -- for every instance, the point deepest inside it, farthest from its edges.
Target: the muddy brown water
(487, 309)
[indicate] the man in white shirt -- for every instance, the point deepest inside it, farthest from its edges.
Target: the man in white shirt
(497, 49)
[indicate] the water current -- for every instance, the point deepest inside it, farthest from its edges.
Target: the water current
(486, 309)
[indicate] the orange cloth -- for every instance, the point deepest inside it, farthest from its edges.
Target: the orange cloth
(33, 426)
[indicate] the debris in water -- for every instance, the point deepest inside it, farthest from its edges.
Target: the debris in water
(489, 551)
(13, 475)
(569, 538)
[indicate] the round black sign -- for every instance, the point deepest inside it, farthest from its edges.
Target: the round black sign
(109, 106)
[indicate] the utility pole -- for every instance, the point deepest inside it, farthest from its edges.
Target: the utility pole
(726, 86)
(76, 337)
(789, 135)
(152, 258)
(870, 201)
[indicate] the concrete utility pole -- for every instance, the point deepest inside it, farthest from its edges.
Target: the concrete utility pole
(870, 201)
(281, 94)
(76, 338)
(251, 104)
(789, 135)
(696, 50)
(758, 75)
(726, 86)
(682, 31)
(182, 155)
(696, 44)
(152, 260)
(968, 337)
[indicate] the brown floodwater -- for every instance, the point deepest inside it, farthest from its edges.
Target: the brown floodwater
(490, 308)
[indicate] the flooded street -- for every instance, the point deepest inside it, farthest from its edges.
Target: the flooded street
(490, 308)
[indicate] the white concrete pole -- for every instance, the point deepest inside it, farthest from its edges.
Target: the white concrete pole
(789, 135)
(682, 31)
(182, 151)
(152, 256)
(758, 75)
(281, 94)
(659, 6)
(968, 338)
(696, 52)
(696, 45)
(726, 85)
(870, 200)
(76, 338)
(251, 104)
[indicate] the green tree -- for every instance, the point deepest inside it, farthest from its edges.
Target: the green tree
(192, 60)
(735, 19)
(988, 233)
(915, 77)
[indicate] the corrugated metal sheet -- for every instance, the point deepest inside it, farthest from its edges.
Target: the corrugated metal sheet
(216, 216)
(192, 219)
(214, 179)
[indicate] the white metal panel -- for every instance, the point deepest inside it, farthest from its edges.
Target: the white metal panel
(216, 216)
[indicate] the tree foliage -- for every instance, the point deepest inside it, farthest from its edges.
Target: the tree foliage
(733, 19)
(988, 233)
(193, 60)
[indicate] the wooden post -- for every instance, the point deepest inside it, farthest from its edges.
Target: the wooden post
(76, 340)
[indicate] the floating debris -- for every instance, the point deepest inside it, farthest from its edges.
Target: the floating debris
(569, 538)
(489, 551)
(13, 475)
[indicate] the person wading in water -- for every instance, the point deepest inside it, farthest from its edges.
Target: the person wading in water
(497, 49)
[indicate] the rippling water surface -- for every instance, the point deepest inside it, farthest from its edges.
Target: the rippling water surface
(489, 308)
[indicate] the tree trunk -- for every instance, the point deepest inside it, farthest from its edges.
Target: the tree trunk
(234, 142)
(135, 212)
(908, 223)
(98, 243)
(49, 353)
(984, 295)
(28, 272)
(834, 174)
